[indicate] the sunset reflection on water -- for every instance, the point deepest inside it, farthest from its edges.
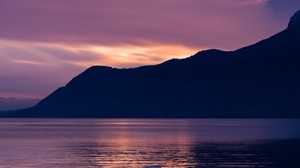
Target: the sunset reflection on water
(130, 155)
(138, 143)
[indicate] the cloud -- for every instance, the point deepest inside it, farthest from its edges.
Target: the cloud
(194, 23)
(248, 2)
(132, 55)
(26, 70)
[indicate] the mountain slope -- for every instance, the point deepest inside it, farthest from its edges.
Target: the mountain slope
(261, 80)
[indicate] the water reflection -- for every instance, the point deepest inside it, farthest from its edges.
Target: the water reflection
(267, 154)
(113, 155)
(140, 143)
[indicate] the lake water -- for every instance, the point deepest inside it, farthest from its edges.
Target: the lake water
(174, 143)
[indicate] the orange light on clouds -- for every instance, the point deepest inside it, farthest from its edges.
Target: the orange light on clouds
(132, 56)
(84, 55)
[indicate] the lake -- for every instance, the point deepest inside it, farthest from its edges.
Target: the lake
(138, 143)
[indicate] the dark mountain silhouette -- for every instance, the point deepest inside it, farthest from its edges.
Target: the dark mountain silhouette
(260, 80)
(13, 103)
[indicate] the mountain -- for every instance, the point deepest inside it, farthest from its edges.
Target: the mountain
(9, 103)
(257, 81)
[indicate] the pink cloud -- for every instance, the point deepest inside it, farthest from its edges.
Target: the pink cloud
(205, 23)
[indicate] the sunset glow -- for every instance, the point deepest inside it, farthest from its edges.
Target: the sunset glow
(45, 44)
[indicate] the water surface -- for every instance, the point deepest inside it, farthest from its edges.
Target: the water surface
(174, 143)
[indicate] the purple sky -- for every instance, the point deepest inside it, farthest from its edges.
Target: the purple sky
(44, 43)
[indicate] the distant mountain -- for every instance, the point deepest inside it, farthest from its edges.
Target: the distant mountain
(16, 103)
(260, 80)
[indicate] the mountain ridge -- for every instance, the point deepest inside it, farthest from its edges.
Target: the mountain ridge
(257, 81)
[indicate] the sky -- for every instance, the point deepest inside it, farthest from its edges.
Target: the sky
(45, 43)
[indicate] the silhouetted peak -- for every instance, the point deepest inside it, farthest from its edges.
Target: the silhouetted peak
(208, 52)
(295, 21)
(97, 69)
(100, 67)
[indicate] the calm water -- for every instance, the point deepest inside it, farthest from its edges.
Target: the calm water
(109, 143)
